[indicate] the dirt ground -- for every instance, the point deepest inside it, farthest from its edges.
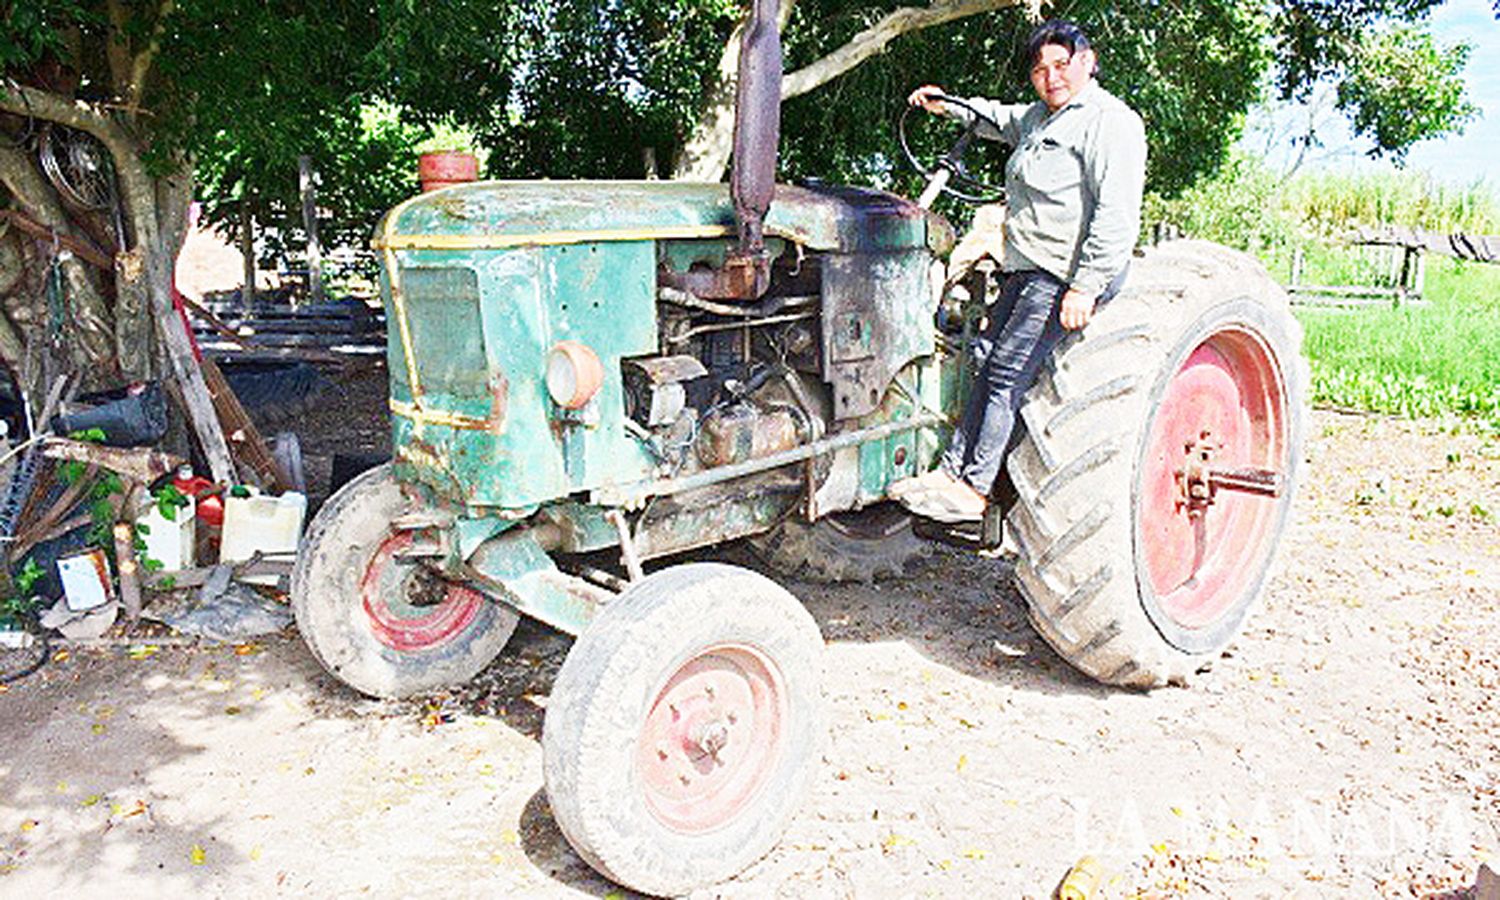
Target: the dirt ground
(1348, 745)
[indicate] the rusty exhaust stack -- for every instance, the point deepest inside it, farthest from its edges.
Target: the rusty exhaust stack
(757, 132)
(752, 178)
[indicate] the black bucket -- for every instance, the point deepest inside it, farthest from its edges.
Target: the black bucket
(132, 421)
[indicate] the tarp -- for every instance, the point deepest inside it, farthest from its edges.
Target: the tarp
(1476, 247)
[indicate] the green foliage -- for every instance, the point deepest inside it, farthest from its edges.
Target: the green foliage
(1402, 88)
(168, 500)
(1412, 361)
(1329, 204)
(1230, 208)
(1190, 75)
(22, 601)
(35, 29)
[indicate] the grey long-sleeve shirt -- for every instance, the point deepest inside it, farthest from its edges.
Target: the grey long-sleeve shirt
(1073, 185)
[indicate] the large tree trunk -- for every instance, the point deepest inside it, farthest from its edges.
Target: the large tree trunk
(82, 323)
(705, 154)
(154, 209)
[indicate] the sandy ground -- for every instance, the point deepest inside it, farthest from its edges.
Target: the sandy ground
(1347, 746)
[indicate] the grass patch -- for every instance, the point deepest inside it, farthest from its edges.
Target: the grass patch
(1436, 360)
(1414, 361)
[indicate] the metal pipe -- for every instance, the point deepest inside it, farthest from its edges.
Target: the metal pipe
(730, 326)
(624, 496)
(757, 125)
(628, 556)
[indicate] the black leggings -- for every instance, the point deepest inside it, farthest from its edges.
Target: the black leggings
(1022, 331)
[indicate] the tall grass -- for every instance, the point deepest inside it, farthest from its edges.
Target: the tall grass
(1443, 358)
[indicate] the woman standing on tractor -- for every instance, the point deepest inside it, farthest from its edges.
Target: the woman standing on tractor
(1073, 197)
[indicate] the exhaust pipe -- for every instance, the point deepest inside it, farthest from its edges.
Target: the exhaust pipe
(752, 177)
(757, 126)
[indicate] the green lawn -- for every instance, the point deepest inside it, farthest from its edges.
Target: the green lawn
(1415, 361)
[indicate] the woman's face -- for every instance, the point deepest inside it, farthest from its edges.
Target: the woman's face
(1058, 75)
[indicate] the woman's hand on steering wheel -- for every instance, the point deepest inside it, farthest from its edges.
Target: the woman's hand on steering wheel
(948, 174)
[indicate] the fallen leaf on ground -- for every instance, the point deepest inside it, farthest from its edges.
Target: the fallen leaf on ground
(894, 840)
(198, 856)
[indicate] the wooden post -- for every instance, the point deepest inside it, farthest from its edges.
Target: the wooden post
(247, 249)
(1296, 268)
(129, 572)
(310, 224)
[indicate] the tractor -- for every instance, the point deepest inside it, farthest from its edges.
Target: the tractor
(587, 377)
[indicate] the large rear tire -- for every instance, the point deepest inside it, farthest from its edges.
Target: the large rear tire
(385, 626)
(1126, 576)
(864, 545)
(684, 727)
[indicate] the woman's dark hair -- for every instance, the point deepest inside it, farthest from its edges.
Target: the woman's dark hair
(1062, 33)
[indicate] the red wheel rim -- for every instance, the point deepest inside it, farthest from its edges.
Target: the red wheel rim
(1229, 387)
(390, 589)
(712, 737)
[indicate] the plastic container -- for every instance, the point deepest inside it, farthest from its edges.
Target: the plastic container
(210, 509)
(1082, 881)
(172, 542)
(132, 421)
(85, 580)
(445, 168)
(261, 523)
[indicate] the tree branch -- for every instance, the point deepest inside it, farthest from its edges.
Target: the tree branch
(874, 39)
(140, 67)
(116, 47)
(706, 152)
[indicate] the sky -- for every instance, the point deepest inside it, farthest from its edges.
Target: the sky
(1462, 160)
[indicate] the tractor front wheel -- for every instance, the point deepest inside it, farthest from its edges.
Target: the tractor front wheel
(684, 726)
(384, 625)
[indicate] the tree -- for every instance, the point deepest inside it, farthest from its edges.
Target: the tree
(660, 76)
(126, 93)
(133, 97)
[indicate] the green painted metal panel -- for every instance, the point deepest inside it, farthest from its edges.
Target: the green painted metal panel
(920, 387)
(850, 219)
(529, 299)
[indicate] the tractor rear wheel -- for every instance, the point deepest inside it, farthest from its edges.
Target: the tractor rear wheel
(684, 727)
(864, 545)
(1161, 452)
(386, 626)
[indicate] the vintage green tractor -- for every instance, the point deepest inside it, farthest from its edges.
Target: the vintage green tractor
(589, 376)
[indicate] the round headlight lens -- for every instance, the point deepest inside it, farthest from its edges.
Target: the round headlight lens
(574, 374)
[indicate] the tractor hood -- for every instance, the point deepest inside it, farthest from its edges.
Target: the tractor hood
(503, 214)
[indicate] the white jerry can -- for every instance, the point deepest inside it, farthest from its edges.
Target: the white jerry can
(261, 523)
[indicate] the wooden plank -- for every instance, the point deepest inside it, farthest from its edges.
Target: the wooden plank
(244, 439)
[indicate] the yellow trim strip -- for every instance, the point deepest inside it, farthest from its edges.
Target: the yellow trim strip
(390, 241)
(398, 306)
(437, 417)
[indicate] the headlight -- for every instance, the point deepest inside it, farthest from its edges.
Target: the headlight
(574, 374)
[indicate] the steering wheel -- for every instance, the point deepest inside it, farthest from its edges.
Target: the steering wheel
(948, 173)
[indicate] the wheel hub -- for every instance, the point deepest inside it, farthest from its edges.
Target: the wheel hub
(408, 607)
(1215, 455)
(711, 738)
